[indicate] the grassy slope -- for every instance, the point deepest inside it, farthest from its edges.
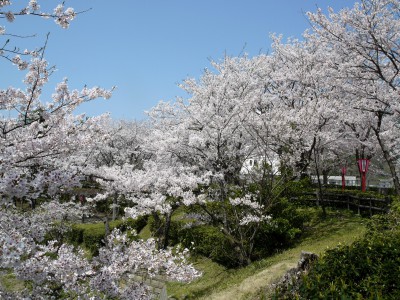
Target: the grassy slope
(252, 282)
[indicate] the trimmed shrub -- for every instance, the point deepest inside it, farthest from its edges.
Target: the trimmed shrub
(93, 239)
(204, 240)
(138, 224)
(207, 240)
(282, 231)
(367, 269)
(210, 242)
(91, 236)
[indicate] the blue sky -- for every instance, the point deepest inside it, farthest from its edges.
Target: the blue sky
(147, 47)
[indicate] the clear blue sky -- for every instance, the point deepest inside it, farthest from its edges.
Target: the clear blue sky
(147, 47)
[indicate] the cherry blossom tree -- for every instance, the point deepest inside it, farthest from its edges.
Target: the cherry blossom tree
(367, 36)
(209, 135)
(122, 144)
(35, 140)
(35, 133)
(54, 268)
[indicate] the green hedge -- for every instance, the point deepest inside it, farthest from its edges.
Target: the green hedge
(91, 236)
(207, 240)
(210, 242)
(204, 240)
(282, 231)
(367, 269)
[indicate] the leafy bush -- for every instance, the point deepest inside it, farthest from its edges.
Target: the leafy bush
(367, 269)
(204, 240)
(366, 194)
(137, 224)
(297, 188)
(93, 238)
(91, 235)
(282, 232)
(210, 242)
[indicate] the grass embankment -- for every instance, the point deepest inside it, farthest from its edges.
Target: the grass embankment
(253, 281)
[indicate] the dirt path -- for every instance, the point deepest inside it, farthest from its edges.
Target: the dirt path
(254, 283)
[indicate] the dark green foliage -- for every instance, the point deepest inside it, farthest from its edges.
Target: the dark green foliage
(367, 194)
(274, 236)
(281, 232)
(363, 203)
(204, 240)
(297, 188)
(210, 242)
(367, 269)
(175, 231)
(207, 240)
(137, 224)
(93, 239)
(357, 189)
(91, 236)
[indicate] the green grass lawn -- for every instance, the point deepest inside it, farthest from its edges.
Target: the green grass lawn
(9, 283)
(252, 282)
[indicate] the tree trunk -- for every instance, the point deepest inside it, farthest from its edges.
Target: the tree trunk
(392, 167)
(33, 204)
(390, 161)
(167, 226)
(162, 228)
(106, 227)
(325, 177)
(320, 195)
(114, 208)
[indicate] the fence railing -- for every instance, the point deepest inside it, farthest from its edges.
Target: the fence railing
(358, 204)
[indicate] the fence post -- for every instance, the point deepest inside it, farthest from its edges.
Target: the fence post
(317, 197)
(370, 207)
(388, 201)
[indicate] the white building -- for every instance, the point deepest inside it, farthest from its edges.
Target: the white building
(251, 164)
(337, 180)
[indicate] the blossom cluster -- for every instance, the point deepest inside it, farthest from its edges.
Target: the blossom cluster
(49, 264)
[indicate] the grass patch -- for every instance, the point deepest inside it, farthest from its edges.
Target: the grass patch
(251, 282)
(9, 283)
(145, 233)
(213, 276)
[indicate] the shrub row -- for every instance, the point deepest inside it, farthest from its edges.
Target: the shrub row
(367, 269)
(91, 236)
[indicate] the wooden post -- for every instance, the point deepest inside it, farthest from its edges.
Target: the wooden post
(370, 207)
(388, 200)
(317, 197)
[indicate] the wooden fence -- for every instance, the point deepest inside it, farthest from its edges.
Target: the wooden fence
(359, 204)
